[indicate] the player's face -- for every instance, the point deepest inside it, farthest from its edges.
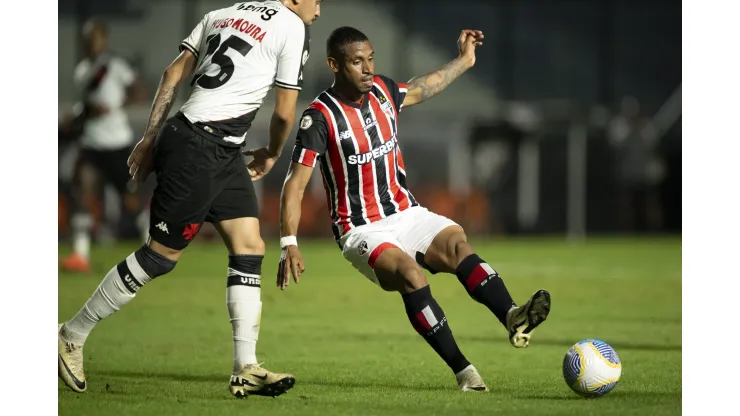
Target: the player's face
(94, 40)
(309, 10)
(358, 67)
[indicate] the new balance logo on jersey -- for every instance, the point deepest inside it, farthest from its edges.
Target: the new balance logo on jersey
(345, 135)
(378, 152)
(163, 227)
(369, 122)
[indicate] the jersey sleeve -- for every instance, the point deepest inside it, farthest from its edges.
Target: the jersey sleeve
(396, 90)
(311, 141)
(125, 72)
(291, 59)
(193, 41)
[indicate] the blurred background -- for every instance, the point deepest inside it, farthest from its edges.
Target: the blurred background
(569, 124)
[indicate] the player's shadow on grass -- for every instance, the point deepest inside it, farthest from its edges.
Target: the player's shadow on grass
(567, 343)
(618, 345)
(569, 396)
(221, 378)
(166, 376)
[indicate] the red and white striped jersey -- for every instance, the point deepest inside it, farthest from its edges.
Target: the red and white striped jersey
(356, 146)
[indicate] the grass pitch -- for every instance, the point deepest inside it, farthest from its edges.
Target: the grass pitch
(353, 351)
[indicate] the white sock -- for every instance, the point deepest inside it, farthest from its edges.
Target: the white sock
(245, 313)
(81, 226)
(112, 294)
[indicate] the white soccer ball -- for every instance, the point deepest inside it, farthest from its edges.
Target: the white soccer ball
(591, 368)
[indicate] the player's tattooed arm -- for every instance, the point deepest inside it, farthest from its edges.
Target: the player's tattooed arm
(427, 86)
(160, 109)
(178, 71)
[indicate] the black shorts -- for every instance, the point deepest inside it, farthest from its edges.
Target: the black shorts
(112, 165)
(198, 181)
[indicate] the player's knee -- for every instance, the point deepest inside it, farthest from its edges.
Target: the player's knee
(459, 250)
(250, 246)
(412, 276)
(164, 251)
(154, 264)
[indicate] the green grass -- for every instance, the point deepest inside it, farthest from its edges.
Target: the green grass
(354, 352)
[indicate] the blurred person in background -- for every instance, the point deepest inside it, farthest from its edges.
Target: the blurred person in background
(99, 126)
(638, 169)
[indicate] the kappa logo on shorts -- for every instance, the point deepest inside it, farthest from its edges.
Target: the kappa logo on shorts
(190, 231)
(163, 227)
(362, 249)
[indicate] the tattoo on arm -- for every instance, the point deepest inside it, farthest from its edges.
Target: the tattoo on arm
(160, 109)
(427, 86)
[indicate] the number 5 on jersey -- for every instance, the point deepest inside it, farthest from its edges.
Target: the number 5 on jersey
(222, 60)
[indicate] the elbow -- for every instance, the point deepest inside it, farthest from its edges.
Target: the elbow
(283, 118)
(172, 76)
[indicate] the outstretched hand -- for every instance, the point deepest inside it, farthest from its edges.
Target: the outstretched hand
(467, 42)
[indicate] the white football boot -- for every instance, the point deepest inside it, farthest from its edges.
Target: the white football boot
(256, 380)
(469, 380)
(70, 364)
(521, 320)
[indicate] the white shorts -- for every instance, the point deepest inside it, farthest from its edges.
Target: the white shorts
(411, 230)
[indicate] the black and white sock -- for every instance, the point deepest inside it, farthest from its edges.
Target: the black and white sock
(116, 290)
(430, 322)
(485, 286)
(245, 307)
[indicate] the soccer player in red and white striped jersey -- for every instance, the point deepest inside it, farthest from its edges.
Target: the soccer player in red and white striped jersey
(351, 131)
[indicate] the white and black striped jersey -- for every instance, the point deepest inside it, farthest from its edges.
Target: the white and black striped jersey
(104, 81)
(242, 51)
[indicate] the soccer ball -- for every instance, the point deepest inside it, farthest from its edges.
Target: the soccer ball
(591, 368)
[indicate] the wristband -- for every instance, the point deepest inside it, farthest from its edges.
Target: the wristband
(288, 241)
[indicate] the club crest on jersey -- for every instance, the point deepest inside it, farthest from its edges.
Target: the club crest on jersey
(385, 105)
(362, 249)
(306, 122)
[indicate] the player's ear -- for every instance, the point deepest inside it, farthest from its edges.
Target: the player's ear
(333, 64)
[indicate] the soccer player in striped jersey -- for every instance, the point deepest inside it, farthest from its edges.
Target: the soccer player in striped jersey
(351, 131)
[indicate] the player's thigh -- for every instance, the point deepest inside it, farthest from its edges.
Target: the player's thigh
(418, 228)
(447, 251)
(241, 235)
(185, 165)
(382, 260)
(235, 211)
